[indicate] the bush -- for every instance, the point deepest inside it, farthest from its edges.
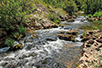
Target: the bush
(9, 42)
(22, 30)
(87, 18)
(96, 14)
(59, 12)
(57, 19)
(94, 27)
(12, 14)
(89, 15)
(15, 34)
(53, 17)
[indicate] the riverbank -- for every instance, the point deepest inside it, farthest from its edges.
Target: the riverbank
(43, 16)
(90, 56)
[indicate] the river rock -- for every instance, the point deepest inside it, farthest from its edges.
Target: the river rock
(70, 20)
(74, 16)
(73, 32)
(62, 32)
(66, 37)
(49, 25)
(53, 38)
(62, 18)
(17, 46)
(38, 26)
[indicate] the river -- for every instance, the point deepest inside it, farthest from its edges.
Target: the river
(43, 53)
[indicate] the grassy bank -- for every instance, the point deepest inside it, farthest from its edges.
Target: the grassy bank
(18, 15)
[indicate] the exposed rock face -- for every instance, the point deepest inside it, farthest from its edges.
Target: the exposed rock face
(91, 51)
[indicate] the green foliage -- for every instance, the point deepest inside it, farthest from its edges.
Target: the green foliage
(22, 30)
(101, 29)
(9, 42)
(89, 6)
(68, 5)
(85, 33)
(94, 27)
(87, 18)
(89, 15)
(15, 34)
(12, 14)
(96, 14)
(59, 13)
(53, 17)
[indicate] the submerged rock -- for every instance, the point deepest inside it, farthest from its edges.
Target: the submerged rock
(53, 38)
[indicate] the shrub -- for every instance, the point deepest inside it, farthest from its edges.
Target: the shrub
(85, 33)
(12, 13)
(92, 19)
(96, 14)
(22, 30)
(57, 19)
(87, 18)
(53, 17)
(9, 42)
(15, 34)
(59, 12)
(89, 15)
(101, 29)
(94, 27)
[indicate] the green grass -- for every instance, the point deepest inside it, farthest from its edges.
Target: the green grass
(22, 29)
(9, 42)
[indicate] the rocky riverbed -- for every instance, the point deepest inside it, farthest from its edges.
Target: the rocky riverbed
(47, 48)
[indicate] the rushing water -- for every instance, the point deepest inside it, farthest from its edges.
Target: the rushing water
(43, 53)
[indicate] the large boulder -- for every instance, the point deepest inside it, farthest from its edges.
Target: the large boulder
(66, 37)
(73, 32)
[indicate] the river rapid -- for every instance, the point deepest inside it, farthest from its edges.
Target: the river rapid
(43, 53)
